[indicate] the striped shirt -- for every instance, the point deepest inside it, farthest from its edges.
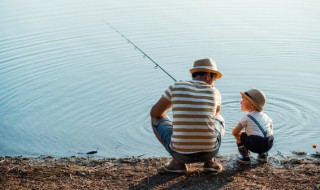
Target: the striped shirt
(194, 105)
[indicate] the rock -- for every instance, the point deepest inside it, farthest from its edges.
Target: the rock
(299, 152)
(92, 152)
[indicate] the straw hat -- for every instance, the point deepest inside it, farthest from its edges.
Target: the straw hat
(256, 97)
(206, 65)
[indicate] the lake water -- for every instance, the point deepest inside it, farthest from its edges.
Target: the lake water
(70, 84)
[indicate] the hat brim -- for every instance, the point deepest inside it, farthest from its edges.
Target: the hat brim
(219, 75)
(259, 108)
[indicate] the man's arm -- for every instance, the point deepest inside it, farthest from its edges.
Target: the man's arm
(160, 108)
(218, 110)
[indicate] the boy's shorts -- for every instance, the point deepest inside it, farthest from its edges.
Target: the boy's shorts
(164, 127)
(256, 144)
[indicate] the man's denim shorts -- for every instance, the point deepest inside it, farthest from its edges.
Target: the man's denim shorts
(164, 130)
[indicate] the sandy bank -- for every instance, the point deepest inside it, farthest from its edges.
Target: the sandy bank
(146, 173)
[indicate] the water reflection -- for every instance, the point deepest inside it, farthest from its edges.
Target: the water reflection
(70, 84)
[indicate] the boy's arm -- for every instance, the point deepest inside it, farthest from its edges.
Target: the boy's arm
(160, 108)
(237, 130)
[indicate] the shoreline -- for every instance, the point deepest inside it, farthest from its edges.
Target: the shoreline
(47, 172)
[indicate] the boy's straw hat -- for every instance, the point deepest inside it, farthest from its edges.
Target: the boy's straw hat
(256, 97)
(206, 65)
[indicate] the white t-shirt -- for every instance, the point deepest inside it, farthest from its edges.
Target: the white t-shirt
(252, 129)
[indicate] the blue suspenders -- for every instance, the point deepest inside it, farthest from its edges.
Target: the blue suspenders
(258, 124)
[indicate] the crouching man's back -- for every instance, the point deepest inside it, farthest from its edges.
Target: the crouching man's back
(197, 128)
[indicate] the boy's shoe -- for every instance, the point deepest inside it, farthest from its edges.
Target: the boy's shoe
(243, 160)
(243, 150)
(213, 166)
(175, 166)
(263, 158)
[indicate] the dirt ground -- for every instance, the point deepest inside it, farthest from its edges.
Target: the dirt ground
(145, 173)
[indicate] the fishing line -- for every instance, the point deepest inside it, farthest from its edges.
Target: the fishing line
(144, 54)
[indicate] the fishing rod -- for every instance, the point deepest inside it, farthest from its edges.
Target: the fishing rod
(144, 54)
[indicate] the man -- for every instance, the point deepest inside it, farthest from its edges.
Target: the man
(197, 128)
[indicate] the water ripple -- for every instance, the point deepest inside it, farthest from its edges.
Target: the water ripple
(70, 83)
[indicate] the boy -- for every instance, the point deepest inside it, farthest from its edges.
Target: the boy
(258, 135)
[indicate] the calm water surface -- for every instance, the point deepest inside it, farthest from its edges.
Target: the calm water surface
(70, 84)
